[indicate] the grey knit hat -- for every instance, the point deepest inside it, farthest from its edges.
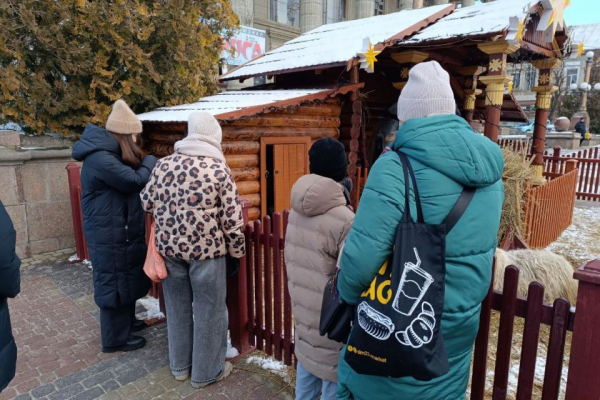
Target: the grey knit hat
(202, 123)
(427, 92)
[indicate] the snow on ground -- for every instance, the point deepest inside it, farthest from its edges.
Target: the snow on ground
(271, 365)
(152, 308)
(581, 241)
(231, 351)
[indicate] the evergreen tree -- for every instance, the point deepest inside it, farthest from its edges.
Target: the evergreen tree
(63, 63)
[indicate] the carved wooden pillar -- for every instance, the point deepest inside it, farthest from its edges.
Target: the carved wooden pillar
(354, 131)
(407, 60)
(543, 100)
(470, 76)
(495, 81)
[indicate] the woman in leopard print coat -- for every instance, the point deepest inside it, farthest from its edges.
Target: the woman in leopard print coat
(198, 222)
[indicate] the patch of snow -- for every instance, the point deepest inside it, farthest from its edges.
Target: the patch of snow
(33, 148)
(579, 242)
(271, 365)
(231, 351)
(152, 308)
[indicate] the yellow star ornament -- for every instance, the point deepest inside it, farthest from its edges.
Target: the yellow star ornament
(368, 57)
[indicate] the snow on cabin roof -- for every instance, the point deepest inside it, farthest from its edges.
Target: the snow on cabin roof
(237, 104)
(482, 19)
(339, 42)
(588, 34)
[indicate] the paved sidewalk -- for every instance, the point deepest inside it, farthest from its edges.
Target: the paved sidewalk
(55, 322)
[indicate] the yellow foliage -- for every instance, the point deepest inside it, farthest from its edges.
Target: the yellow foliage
(83, 55)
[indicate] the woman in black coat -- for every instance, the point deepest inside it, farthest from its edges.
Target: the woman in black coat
(10, 286)
(113, 174)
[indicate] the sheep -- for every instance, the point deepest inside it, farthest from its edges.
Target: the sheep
(547, 268)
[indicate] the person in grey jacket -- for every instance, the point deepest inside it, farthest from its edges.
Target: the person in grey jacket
(317, 227)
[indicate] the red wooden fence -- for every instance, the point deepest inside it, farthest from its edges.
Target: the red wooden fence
(270, 326)
(588, 164)
(260, 316)
(549, 208)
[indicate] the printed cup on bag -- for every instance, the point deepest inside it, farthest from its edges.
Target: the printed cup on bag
(413, 286)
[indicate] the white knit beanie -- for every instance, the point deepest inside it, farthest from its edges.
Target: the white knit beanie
(122, 120)
(427, 92)
(202, 123)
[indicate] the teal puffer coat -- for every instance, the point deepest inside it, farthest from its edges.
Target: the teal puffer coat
(445, 154)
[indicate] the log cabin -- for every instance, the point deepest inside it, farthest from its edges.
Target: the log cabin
(323, 87)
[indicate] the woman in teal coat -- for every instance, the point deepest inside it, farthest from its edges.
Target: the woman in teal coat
(446, 155)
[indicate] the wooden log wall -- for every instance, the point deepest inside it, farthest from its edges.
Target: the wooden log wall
(241, 139)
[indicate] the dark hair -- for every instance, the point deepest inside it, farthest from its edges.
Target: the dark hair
(582, 119)
(131, 154)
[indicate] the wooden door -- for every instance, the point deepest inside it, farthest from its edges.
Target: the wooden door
(290, 162)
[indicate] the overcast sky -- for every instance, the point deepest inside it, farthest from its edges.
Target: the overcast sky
(582, 12)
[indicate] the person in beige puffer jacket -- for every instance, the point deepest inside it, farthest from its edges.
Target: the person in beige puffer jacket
(317, 227)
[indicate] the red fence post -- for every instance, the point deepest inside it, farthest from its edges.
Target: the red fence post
(237, 301)
(555, 159)
(75, 196)
(584, 365)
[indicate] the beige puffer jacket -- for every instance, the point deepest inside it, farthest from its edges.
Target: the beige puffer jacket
(318, 225)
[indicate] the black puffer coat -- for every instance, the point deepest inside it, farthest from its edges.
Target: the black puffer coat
(113, 218)
(10, 285)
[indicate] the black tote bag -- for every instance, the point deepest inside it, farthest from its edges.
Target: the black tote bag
(396, 331)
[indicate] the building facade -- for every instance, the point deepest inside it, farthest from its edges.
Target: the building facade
(571, 72)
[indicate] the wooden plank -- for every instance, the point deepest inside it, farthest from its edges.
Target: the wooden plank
(505, 333)
(277, 284)
(240, 147)
(245, 174)
(248, 187)
(258, 285)
(531, 334)
(305, 121)
(234, 133)
(556, 348)
(480, 354)
(242, 160)
(287, 303)
(251, 271)
(268, 268)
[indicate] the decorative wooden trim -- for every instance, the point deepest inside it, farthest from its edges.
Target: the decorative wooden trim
(547, 63)
(411, 30)
(411, 56)
(269, 141)
(474, 70)
(498, 47)
(399, 85)
(495, 88)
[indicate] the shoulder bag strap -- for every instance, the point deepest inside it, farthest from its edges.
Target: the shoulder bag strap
(459, 208)
(407, 166)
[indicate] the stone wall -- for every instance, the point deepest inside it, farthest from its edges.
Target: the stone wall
(34, 189)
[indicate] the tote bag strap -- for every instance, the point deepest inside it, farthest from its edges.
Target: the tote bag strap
(459, 208)
(407, 170)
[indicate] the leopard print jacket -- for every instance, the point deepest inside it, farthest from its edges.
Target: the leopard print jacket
(196, 208)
